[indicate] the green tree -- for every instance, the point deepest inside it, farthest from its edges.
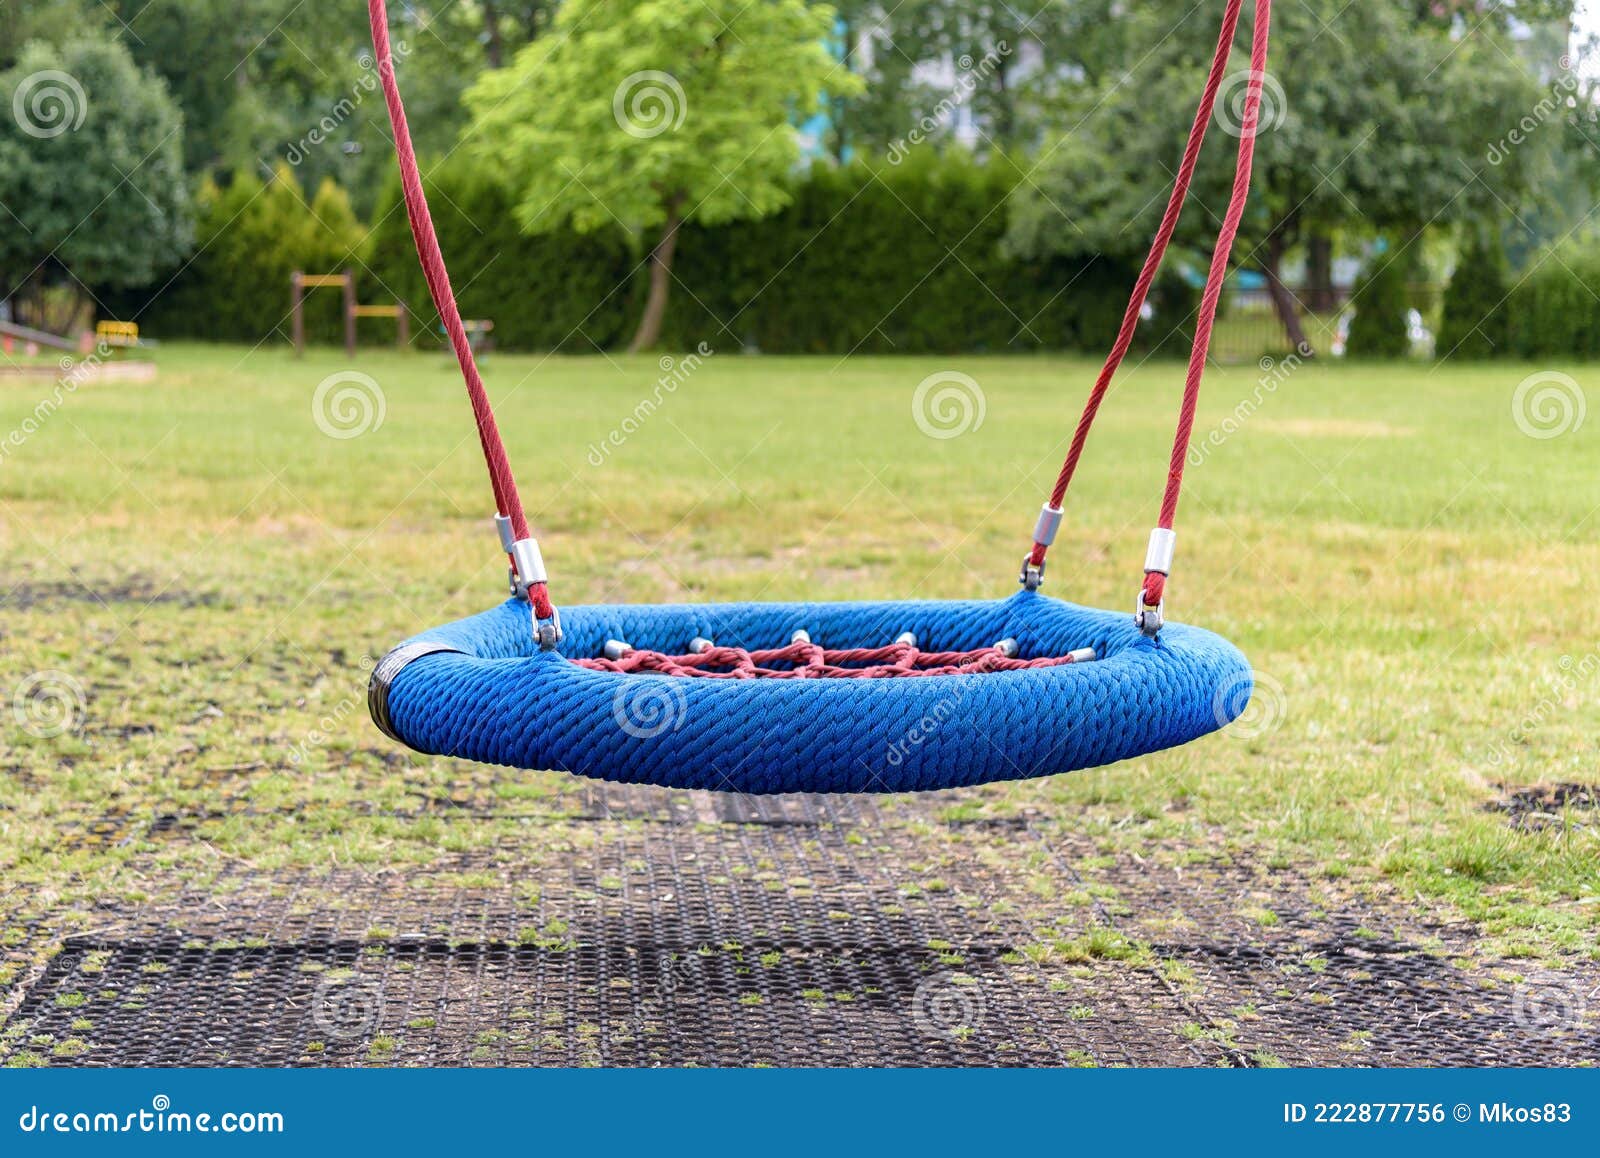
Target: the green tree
(1371, 119)
(91, 172)
(1475, 323)
(1001, 61)
(1381, 299)
(56, 21)
(650, 114)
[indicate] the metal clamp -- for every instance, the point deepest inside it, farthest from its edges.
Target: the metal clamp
(383, 677)
(1032, 574)
(527, 567)
(1150, 619)
(548, 631)
(1157, 561)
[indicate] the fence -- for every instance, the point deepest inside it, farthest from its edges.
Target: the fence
(1248, 326)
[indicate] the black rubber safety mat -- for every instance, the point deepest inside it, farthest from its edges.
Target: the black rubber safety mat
(642, 927)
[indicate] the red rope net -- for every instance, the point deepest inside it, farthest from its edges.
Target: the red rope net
(803, 659)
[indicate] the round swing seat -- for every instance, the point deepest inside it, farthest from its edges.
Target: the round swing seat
(480, 689)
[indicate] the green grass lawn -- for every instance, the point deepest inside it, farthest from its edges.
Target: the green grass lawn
(1409, 572)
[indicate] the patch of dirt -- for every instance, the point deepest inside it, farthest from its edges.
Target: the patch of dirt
(1546, 806)
(25, 595)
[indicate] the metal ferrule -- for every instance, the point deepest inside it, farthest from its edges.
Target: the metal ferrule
(699, 645)
(800, 636)
(1158, 555)
(1008, 648)
(906, 639)
(1044, 531)
(508, 536)
(1081, 654)
(529, 563)
(616, 649)
(383, 677)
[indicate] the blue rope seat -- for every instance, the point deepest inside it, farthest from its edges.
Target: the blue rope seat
(501, 689)
(492, 696)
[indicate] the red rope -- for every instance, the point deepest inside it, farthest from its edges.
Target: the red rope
(804, 660)
(1155, 583)
(1204, 114)
(507, 501)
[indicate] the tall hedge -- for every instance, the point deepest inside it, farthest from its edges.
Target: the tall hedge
(557, 291)
(1475, 322)
(903, 259)
(248, 238)
(1553, 311)
(885, 258)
